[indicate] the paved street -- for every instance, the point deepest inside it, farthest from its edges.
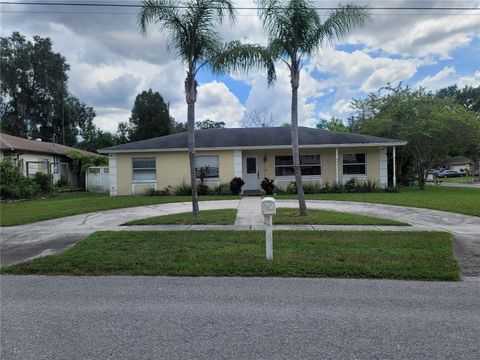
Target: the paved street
(237, 318)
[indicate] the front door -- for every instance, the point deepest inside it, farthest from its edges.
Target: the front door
(250, 173)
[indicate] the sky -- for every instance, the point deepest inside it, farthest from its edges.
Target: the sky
(111, 61)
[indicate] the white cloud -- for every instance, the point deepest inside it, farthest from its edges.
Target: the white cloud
(441, 79)
(215, 102)
(473, 80)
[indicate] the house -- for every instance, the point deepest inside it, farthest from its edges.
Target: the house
(32, 156)
(456, 163)
(249, 153)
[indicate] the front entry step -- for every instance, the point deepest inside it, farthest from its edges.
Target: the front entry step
(252, 193)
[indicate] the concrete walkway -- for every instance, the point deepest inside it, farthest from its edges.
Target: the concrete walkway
(19, 243)
(249, 211)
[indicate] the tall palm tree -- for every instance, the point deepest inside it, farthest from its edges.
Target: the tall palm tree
(191, 30)
(295, 32)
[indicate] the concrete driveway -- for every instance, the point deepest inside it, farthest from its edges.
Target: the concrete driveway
(236, 318)
(19, 243)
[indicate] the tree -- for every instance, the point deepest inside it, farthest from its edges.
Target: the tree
(259, 118)
(209, 124)
(150, 117)
(190, 26)
(295, 32)
(468, 96)
(35, 102)
(432, 125)
(334, 124)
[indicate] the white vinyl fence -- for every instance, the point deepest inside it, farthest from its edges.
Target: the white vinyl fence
(97, 179)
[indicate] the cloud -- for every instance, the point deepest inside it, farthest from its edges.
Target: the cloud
(473, 80)
(441, 79)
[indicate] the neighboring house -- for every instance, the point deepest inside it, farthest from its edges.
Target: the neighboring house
(32, 156)
(456, 163)
(249, 153)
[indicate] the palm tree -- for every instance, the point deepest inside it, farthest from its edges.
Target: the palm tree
(295, 32)
(190, 27)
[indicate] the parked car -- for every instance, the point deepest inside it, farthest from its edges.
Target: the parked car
(450, 174)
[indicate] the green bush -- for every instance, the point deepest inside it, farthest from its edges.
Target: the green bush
(222, 189)
(312, 188)
(44, 182)
(203, 189)
(63, 183)
(182, 189)
(268, 186)
(13, 185)
(236, 185)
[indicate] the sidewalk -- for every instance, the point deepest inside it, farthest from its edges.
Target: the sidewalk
(249, 212)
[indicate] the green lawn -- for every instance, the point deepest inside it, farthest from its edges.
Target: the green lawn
(210, 217)
(465, 179)
(24, 212)
(324, 217)
(458, 200)
(356, 254)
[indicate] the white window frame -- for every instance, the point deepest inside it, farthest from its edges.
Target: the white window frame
(354, 175)
(292, 177)
(212, 178)
(146, 180)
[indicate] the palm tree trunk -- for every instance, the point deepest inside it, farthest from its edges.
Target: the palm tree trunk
(191, 97)
(295, 81)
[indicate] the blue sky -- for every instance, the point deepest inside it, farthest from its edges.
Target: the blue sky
(111, 62)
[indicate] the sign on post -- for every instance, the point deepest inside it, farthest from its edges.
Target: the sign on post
(268, 210)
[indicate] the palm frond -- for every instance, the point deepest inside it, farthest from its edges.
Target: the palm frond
(341, 21)
(236, 56)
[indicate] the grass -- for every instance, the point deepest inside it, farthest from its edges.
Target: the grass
(24, 212)
(356, 254)
(465, 179)
(207, 217)
(324, 217)
(457, 200)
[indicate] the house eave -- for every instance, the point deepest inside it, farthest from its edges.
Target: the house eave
(273, 147)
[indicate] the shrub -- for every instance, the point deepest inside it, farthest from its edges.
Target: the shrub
(392, 189)
(351, 185)
(44, 182)
(13, 185)
(236, 185)
(222, 189)
(182, 189)
(268, 186)
(367, 186)
(312, 188)
(203, 189)
(63, 183)
(162, 192)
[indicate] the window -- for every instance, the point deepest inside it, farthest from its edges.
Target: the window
(144, 169)
(251, 165)
(309, 165)
(207, 166)
(354, 164)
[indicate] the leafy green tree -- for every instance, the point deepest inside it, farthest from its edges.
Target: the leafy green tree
(190, 26)
(209, 124)
(150, 117)
(468, 96)
(334, 124)
(432, 125)
(295, 32)
(35, 102)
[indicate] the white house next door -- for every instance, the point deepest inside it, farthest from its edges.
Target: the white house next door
(251, 173)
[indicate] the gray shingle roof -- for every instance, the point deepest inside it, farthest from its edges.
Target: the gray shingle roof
(250, 137)
(10, 143)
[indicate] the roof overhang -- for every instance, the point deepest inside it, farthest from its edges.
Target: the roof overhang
(273, 147)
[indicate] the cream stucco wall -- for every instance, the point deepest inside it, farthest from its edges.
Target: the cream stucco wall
(173, 167)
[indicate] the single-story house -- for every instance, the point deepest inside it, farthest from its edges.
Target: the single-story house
(250, 153)
(456, 163)
(32, 156)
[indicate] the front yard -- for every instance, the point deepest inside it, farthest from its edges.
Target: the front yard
(24, 212)
(458, 200)
(356, 254)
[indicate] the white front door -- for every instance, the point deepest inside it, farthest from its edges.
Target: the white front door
(251, 173)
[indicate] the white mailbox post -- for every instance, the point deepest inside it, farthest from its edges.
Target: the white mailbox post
(268, 210)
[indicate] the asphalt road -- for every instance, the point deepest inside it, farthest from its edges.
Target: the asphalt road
(237, 318)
